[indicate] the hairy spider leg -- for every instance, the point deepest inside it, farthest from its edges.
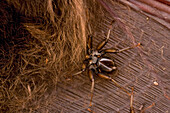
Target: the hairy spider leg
(82, 70)
(92, 86)
(121, 50)
(109, 78)
(89, 44)
(89, 47)
(104, 42)
(131, 102)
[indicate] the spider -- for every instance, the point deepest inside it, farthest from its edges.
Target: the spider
(98, 64)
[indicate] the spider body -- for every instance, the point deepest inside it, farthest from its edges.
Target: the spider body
(97, 63)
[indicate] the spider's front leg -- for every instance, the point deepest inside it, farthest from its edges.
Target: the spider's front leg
(119, 51)
(89, 43)
(90, 72)
(104, 42)
(89, 48)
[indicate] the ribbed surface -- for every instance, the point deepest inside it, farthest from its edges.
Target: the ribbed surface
(138, 68)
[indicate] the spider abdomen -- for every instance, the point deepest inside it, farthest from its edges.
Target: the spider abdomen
(106, 64)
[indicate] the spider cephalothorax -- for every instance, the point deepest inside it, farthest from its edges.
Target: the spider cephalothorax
(96, 62)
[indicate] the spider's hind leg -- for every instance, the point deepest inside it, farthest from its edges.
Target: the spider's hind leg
(90, 72)
(109, 78)
(131, 102)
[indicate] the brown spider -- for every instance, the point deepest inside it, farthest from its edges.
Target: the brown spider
(98, 64)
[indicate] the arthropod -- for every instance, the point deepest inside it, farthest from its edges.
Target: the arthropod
(96, 62)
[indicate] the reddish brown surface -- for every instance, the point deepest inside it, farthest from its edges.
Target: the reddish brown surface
(139, 68)
(164, 1)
